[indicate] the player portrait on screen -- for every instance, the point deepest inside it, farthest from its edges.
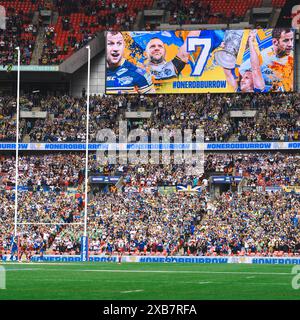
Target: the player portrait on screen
(200, 61)
(121, 75)
(277, 61)
(156, 53)
(251, 80)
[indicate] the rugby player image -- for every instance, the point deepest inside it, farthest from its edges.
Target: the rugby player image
(275, 59)
(156, 53)
(121, 75)
(251, 80)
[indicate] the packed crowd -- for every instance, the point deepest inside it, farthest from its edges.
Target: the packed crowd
(279, 121)
(143, 222)
(250, 223)
(276, 118)
(60, 170)
(7, 119)
(7, 210)
(192, 112)
(19, 32)
(257, 223)
(65, 120)
(196, 12)
(56, 171)
(150, 175)
(259, 169)
(184, 224)
(56, 210)
(48, 207)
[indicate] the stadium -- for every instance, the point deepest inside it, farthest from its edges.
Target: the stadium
(149, 150)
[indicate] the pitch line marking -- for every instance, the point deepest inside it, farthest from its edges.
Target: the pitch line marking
(144, 271)
(25, 269)
(189, 272)
(131, 291)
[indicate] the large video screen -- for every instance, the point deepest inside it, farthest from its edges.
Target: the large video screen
(200, 61)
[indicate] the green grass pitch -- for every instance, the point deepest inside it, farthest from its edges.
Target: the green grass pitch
(130, 281)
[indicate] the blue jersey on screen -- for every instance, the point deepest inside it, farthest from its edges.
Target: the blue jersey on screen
(127, 78)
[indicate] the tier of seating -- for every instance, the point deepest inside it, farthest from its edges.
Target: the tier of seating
(79, 21)
(74, 29)
(19, 32)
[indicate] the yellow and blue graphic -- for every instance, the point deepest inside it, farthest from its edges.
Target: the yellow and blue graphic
(200, 61)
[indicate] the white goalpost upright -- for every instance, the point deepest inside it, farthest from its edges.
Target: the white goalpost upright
(84, 239)
(17, 146)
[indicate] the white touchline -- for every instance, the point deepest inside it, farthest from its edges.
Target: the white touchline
(131, 291)
(183, 271)
(8, 263)
(25, 269)
(195, 282)
(148, 271)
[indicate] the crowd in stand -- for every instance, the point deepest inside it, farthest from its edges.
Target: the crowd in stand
(277, 116)
(56, 210)
(50, 50)
(50, 207)
(192, 112)
(56, 171)
(7, 210)
(19, 32)
(260, 169)
(196, 12)
(154, 221)
(178, 223)
(95, 16)
(65, 120)
(182, 224)
(90, 7)
(279, 121)
(7, 120)
(250, 223)
(53, 53)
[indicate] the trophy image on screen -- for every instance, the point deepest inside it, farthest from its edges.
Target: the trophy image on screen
(226, 58)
